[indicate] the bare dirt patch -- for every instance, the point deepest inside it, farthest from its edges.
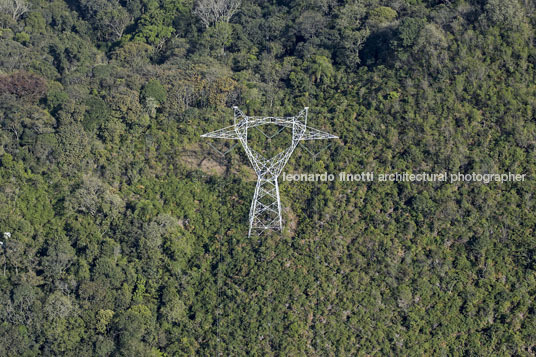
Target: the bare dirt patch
(202, 157)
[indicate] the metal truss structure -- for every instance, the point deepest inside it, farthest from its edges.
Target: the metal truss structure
(265, 211)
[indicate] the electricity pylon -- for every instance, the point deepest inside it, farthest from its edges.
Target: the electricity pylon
(265, 211)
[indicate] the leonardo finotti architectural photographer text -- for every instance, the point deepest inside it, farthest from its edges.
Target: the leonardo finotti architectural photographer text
(405, 177)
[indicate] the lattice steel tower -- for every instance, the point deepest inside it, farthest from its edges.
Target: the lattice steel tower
(265, 212)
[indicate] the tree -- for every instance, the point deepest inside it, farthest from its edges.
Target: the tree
(154, 89)
(97, 113)
(211, 12)
(409, 30)
(153, 30)
(133, 327)
(21, 308)
(310, 24)
(60, 255)
(320, 69)
(505, 13)
(58, 306)
(104, 317)
(14, 8)
(23, 85)
(382, 15)
(349, 23)
(431, 45)
(217, 37)
(108, 18)
(117, 20)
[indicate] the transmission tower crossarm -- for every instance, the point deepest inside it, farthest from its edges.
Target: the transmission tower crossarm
(315, 134)
(225, 133)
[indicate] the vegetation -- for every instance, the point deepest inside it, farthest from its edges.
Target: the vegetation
(129, 234)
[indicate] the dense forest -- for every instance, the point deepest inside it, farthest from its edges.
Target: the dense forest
(128, 232)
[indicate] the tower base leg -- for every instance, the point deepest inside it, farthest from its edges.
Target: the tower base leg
(265, 211)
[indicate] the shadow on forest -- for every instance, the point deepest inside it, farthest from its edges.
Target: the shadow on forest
(377, 49)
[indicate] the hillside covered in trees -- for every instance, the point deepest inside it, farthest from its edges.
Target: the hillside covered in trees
(128, 232)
